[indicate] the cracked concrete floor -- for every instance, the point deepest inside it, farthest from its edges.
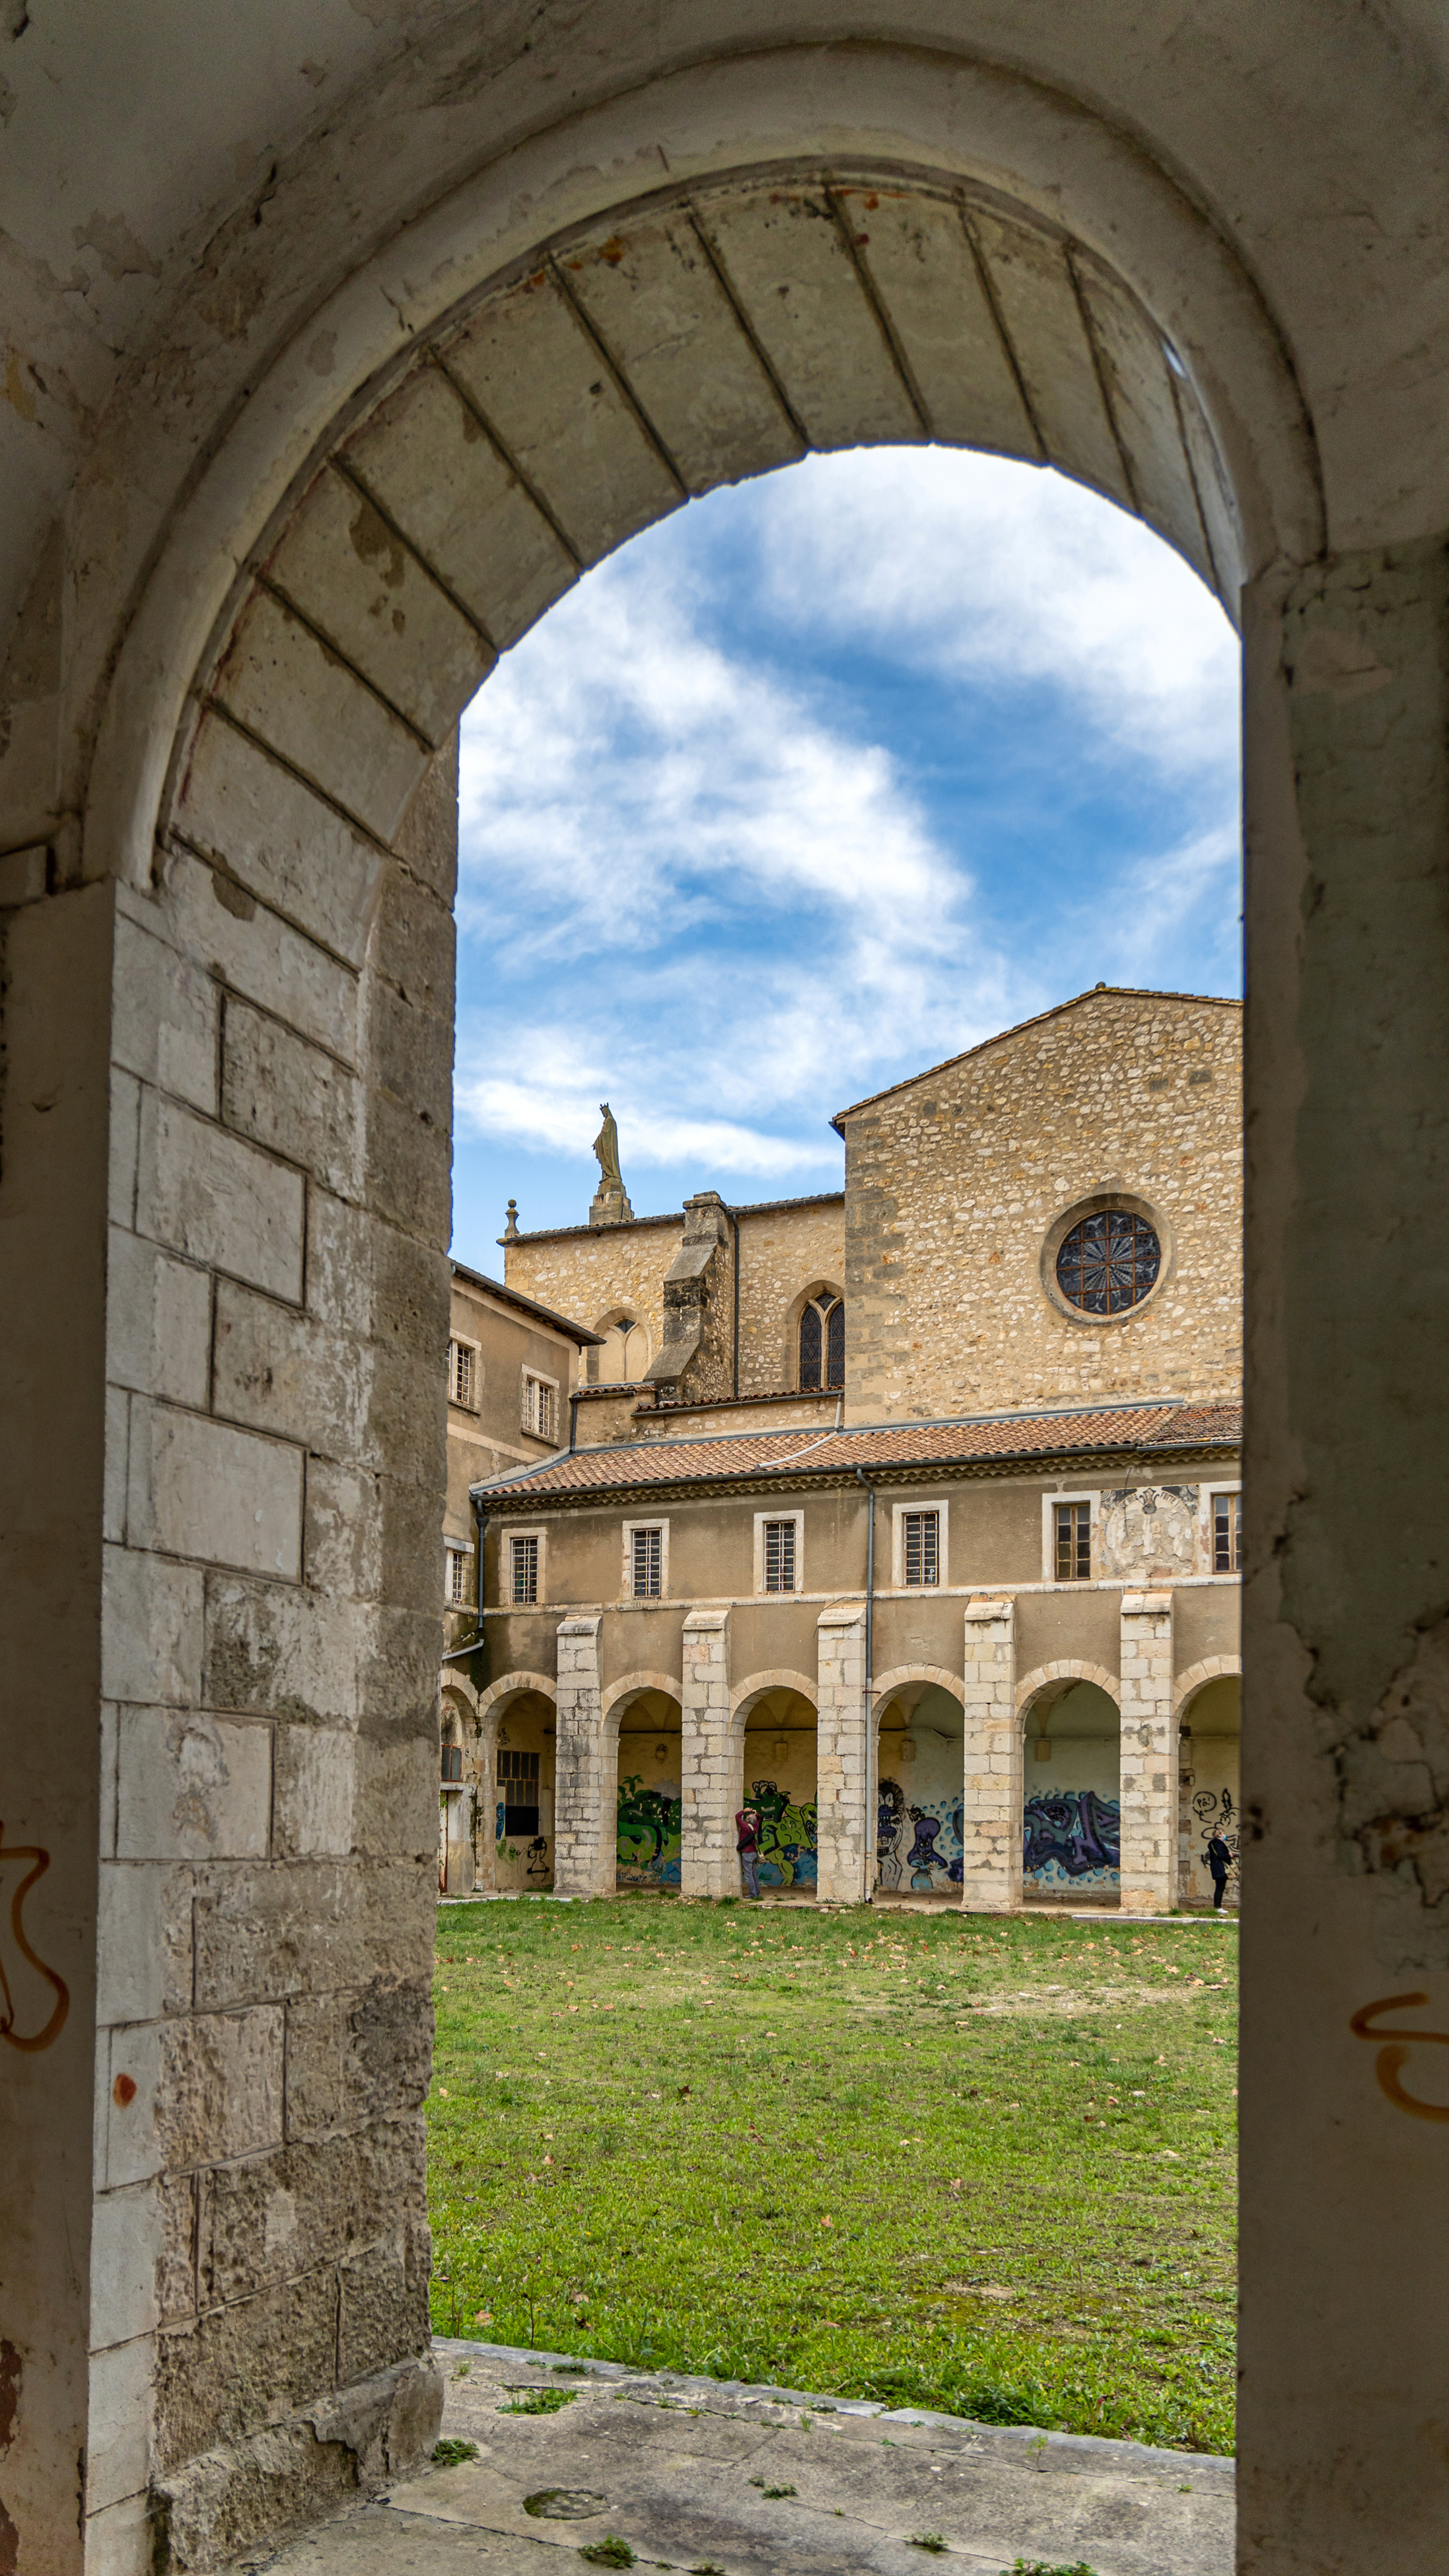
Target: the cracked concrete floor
(682, 2469)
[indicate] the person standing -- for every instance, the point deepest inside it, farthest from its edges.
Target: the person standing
(1219, 1860)
(747, 1844)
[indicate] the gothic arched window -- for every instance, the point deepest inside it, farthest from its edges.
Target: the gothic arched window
(822, 1344)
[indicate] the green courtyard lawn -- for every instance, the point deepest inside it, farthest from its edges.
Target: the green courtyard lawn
(931, 2158)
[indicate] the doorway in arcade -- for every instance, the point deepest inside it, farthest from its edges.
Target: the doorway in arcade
(778, 1777)
(523, 1785)
(920, 1780)
(1208, 1787)
(650, 1774)
(1072, 1798)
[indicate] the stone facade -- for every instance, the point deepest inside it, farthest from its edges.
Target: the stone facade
(956, 1183)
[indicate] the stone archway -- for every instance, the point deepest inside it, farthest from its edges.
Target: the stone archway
(235, 934)
(641, 1795)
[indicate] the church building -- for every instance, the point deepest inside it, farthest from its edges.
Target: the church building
(905, 1515)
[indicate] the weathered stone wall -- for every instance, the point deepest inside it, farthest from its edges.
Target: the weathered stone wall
(592, 1273)
(784, 1251)
(487, 1438)
(954, 1181)
(280, 1116)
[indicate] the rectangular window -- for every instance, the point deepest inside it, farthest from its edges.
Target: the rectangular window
(518, 1788)
(921, 1547)
(452, 1762)
(1074, 1542)
(780, 1556)
(1227, 1532)
(457, 1575)
(646, 1561)
(525, 1568)
(460, 1372)
(540, 1413)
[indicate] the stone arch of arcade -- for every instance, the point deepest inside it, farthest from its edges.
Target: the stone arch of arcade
(1208, 1715)
(641, 1793)
(933, 1861)
(229, 977)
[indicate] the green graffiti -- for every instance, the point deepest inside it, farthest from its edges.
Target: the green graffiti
(787, 1836)
(648, 1834)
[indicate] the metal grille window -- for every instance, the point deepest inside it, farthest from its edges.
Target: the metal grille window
(1074, 1542)
(457, 1575)
(524, 1552)
(517, 1777)
(460, 1372)
(540, 1413)
(921, 1547)
(779, 1556)
(646, 1563)
(1227, 1532)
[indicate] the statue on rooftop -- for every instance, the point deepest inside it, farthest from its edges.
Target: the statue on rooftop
(611, 1201)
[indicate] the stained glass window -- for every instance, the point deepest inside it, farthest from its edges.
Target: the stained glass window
(1108, 1263)
(835, 1344)
(822, 1344)
(810, 1347)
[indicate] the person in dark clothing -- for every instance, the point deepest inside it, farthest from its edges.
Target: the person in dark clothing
(747, 1844)
(1219, 1860)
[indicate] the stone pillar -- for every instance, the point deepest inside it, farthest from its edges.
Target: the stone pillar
(846, 1832)
(992, 1796)
(1148, 1755)
(225, 1439)
(584, 1862)
(1344, 2350)
(707, 1862)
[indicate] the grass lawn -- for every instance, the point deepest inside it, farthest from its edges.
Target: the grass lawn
(932, 2158)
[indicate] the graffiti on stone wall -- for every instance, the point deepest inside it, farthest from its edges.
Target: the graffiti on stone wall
(1214, 1811)
(788, 1834)
(648, 1835)
(31, 2040)
(920, 1846)
(1072, 1838)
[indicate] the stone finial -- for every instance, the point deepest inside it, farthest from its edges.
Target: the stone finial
(510, 1230)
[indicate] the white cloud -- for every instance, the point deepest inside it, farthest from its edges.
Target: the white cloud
(698, 880)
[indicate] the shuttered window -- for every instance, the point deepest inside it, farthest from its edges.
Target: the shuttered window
(1074, 1542)
(525, 1568)
(921, 1547)
(779, 1556)
(646, 1555)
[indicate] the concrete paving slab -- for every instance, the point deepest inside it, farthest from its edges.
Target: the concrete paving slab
(683, 2468)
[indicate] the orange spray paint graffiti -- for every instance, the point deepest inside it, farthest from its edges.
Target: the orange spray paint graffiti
(1391, 2060)
(39, 2038)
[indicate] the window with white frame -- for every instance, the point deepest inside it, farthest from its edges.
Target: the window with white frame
(778, 1546)
(1227, 1532)
(646, 1561)
(456, 1583)
(1072, 1559)
(920, 1548)
(523, 1556)
(540, 1405)
(462, 1373)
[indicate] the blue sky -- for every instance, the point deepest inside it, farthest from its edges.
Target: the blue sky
(824, 779)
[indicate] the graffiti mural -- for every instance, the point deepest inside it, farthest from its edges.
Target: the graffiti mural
(1214, 1811)
(1072, 1838)
(919, 1845)
(648, 1834)
(787, 1836)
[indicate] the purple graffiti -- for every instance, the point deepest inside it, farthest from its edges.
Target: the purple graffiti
(1076, 1829)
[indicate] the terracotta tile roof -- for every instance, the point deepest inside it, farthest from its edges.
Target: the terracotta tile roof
(891, 1449)
(1111, 992)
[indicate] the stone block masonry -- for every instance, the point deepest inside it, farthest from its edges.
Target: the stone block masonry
(583, 1852)
(845, 1831)
(992, 1790)
(955, 1180)
(1148, 1755)
(270, 1636)
(709, 1753)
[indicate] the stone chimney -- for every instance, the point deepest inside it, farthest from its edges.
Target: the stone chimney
(696, 1363)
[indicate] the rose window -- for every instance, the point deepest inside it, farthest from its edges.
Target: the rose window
(1108, 1263)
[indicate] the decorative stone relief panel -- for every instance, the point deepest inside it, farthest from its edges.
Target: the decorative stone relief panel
(1148, 1530)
